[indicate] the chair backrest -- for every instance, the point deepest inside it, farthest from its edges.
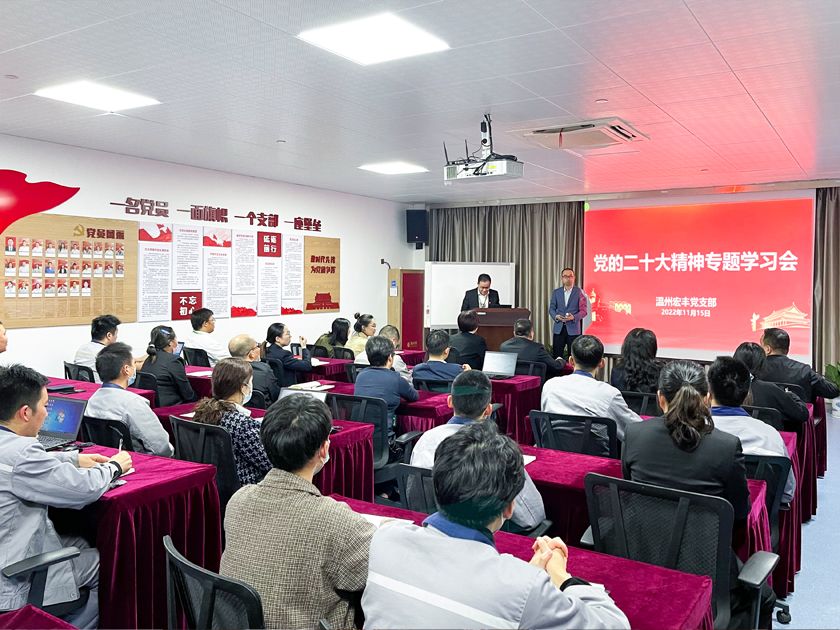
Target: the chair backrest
(320, 351)
(343, 353)
(294, 348)
(416, 489)
(643, 403)
(276, 366)
(145, 380)
(454, 355)
(773, 470)
(106, 432)
(207, 599)
(531, 368)
(767, 415)
(353, 370)
(432, 385)
(257, 400)
(370, 411)
(793, 387)
(207, 444)
(76, 372)
(575, 434)
(196, 356)
(669, 528)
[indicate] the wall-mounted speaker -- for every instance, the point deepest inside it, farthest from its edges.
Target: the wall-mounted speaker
(417, 226)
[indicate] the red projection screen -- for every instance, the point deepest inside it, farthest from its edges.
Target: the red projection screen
(702, 277)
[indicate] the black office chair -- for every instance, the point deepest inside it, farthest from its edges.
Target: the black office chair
(767, 415)
(257, 400)
(276, 366)
(375, 411)
(35, 568)
(207, 599)
(320, 351)
(76, 372)
(145, 380)
(792, 387)
(353, 370)
(643, 403)
(196, 357)
(432, 385)
(207, 444)
(531, 368)
(575, 434)
(106, 432)
(294, 348)
(343, 353)
(453, 357)
(678, 530)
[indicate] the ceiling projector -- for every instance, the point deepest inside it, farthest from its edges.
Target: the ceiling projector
(489, 167)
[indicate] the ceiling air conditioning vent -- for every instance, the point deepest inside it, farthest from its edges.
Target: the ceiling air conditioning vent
(591, 134)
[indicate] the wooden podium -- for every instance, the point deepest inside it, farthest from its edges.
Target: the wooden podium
(496, 324)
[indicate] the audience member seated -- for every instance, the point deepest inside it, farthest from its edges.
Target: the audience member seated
(203, 324)
(336, 338)
(637, 370)
(246, 348)
(524, 346)
(470, 400)
(305, 554)
(448, 573)
(436, 368)
(379, 380)
(173, 385)
(780, 368)
(581, 394)
(277, 339)
(470, 347)
(392, 333)
(103, 332)
(113, 401)
(764, 394)
(729, 382)
(34, 480)
(365, 327)
(684, 450)
(232, 383)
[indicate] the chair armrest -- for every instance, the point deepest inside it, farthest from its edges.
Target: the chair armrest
(41, 561)
(540, 529)
(587, 541)
(495, 407)
(758, 568)
(407, 441)
(784, 507)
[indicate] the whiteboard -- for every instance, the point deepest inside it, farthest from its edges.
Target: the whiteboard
(446, 283)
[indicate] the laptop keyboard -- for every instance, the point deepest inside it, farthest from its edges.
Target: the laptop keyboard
(50, 442)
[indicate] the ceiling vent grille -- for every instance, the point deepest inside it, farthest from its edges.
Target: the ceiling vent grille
(590, 134)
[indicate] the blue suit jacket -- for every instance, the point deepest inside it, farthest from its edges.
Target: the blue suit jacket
(578, 306)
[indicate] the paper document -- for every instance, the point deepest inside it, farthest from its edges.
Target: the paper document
(188, 415)
(316, 362)
(529, 458)
(377, 520)
(307, 385)
(206, 373)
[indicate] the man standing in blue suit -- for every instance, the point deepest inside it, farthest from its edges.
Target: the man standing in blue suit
(568, 307)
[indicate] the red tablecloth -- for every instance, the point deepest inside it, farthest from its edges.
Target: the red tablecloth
(31, 617)
(821, 436)
(201, 384)
(164, 496)
(331, 369)
(790, 529)
(413, 357)
(756, 536)
(651, 597)
(350, 469)
(519, 395)
(89, 388)
(806, 445)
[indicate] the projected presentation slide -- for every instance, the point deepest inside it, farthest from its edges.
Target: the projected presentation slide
(704, 278)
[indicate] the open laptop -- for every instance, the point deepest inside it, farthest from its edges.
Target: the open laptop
(178, 348)
(499, 365)
(63, 421)
(322, 396)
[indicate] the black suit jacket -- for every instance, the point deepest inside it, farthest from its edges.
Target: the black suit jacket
(265, 381)
(471, 299)
(782, 369)
(771, 395)
(173, 385)
(291, 365)
(532, 351)
(471, 349)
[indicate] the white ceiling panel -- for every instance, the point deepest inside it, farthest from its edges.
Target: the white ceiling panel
(692, 88)
(585, 77)
(730, 20)
(564, 13)
(676, 63)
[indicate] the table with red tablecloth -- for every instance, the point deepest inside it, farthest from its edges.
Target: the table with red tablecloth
(413, 357)
(790, 529)
(350, 469)
(806, 445)
(90, 388)
(30, 617)
(329, 369)
(162, 497)
(199, 378)
(821, 436)
(650, 596)
(518, 396)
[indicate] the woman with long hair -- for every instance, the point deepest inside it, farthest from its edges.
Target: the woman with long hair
(337, 337)
(637, 369)
(173, 385)
(364, 327)
(232, 384)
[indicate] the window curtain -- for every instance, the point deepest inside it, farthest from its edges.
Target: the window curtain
(826, 316)
(540, 238)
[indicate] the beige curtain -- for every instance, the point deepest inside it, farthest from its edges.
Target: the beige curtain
(540, 238)
(826, 316)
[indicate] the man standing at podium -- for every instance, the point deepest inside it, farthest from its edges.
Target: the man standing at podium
(480, 297)
(568, 307)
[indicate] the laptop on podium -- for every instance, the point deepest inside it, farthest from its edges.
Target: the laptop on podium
(63, 421)
(499, 365)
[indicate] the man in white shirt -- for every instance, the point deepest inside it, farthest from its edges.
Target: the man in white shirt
(392, 333)
(729, 384)
(103, 332)
(580, 394)
(204, 324)
(113, 401)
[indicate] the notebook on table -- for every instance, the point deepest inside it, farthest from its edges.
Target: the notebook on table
(499, 365)
(63, 421)
(287, 391)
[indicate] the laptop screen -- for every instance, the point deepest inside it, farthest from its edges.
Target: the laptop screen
(64, 416)
(177, 350)
(322, 396)
(500, 363)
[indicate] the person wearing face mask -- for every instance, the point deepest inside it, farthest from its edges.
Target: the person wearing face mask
(305, 554)
(113, 401)
(232, 383)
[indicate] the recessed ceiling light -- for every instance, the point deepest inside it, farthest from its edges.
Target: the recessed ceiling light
(374, 39)
(601, 100)
(394, 168)
(96, 96)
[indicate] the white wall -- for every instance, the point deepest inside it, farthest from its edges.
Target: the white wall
(369, 229)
